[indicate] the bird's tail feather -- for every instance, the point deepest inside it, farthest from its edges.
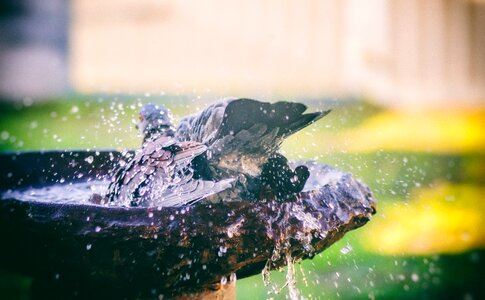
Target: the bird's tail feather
(303, 121)
(286, 117)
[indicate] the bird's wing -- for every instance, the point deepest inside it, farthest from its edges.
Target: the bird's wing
(155, 168)
(202, 127)
(287, 117)
(193, 191)
(245, 128)
(153, 156)
(230, 117)
(187, 151)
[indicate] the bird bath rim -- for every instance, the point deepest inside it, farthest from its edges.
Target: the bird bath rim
(166, 243)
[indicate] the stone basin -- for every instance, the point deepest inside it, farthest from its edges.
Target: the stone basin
(76, 248)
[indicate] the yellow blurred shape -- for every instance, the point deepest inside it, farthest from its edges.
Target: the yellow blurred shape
(443, 219)
(429, 131)
(445, 131)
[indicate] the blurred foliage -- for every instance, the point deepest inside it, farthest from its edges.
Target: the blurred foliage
(450, 131)
(444, 132)
(358, 274)
(426, 168)
(446, 218)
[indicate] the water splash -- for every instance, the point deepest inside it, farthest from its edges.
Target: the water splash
(293, 291)
(72, 193)
(346, 249)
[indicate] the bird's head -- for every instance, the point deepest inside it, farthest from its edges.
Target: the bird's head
(155, 120)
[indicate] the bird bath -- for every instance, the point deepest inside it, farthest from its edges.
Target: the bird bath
(72, 247)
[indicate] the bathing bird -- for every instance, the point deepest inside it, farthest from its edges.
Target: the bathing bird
(243, 137)
(155, 121)
(233, 139)
(161, 172)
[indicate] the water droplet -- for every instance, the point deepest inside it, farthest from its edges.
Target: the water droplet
(414, 277)
(89, 159)
(4, 135)
(88, 247)
(97, 229)
(346, 249)
(27, 101)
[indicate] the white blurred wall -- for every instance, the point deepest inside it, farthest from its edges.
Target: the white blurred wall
(400, 52)
(33, 49)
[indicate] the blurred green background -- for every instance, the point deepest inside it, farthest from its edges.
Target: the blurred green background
(427, 240)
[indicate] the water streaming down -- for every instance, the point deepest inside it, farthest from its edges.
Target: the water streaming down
(283, 251)
(290, 278)
(293, 291)
(320, 176)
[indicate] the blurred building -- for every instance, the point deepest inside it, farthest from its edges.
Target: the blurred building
(401, 52)
(33, 48)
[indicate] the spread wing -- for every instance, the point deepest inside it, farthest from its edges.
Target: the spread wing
(160, 174)
(242, 133)
(194, 190)
(204, 126)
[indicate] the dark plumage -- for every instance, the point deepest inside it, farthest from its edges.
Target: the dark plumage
(155, 121)
(231, 139)
(242, 135)
(279, 181)
(161, 172)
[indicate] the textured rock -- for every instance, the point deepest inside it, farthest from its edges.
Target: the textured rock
(144, 251)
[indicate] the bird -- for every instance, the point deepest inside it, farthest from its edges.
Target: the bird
(279, 181)
(227, 152)
(243, 137)
(161, 172)
(155, 121)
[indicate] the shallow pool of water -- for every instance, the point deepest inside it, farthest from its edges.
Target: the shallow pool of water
(68, 193)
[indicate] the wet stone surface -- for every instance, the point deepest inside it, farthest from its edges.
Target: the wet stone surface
(162, 250)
